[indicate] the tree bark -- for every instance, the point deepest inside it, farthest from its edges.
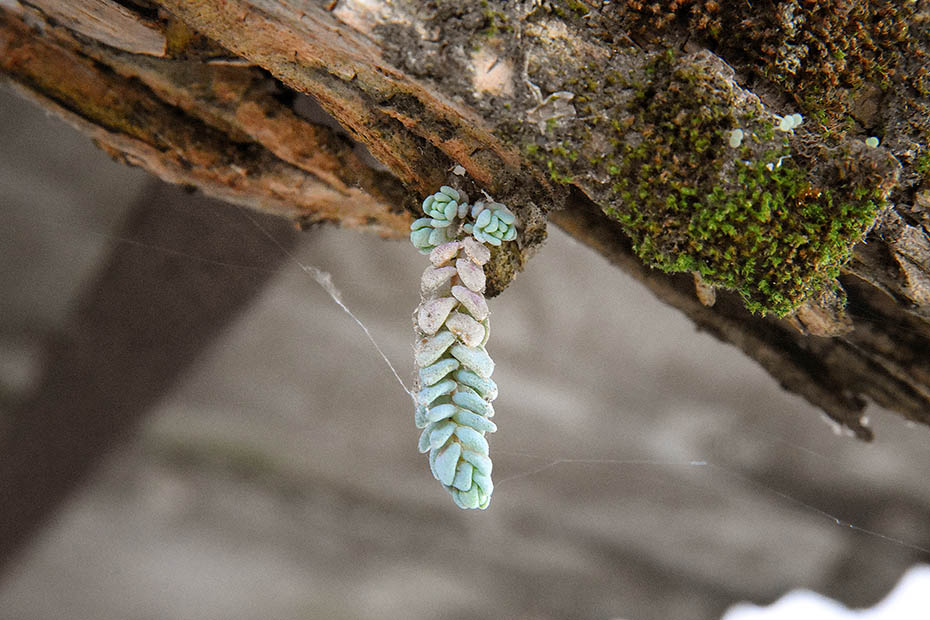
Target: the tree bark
(531, 99)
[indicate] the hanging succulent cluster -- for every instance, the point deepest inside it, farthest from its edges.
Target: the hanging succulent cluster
(454, 388)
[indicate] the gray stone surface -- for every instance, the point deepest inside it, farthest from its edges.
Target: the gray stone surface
(280, 479)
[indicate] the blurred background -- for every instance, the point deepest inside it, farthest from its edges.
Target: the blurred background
(248, 454)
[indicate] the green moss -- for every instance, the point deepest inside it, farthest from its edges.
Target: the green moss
(773, 238)
(922, 165)
(496, 23)
(748, 219)
(815, 51)
(567, 9)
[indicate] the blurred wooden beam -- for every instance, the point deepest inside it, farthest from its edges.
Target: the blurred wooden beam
(137, 328)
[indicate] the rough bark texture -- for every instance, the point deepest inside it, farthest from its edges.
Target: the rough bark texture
(569, 112)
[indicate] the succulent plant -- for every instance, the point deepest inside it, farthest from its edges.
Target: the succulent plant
(493, 224)
(454, 389)
(442, 210)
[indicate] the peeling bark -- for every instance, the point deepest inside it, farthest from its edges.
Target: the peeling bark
(213, 126)
(426, 87)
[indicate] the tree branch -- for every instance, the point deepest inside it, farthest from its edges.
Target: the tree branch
(212, 126)
(534, 103)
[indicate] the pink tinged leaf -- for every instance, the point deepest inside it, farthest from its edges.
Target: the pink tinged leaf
(443, 253)
(433, 313)
(431, 349)
(473, 302)
(467, 329)
(477, 252)
(435, 278)
(470, 274)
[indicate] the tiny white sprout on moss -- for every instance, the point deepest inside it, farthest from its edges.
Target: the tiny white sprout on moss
(772, 166)
(736, 138)
(790, 122)
(871, 141)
